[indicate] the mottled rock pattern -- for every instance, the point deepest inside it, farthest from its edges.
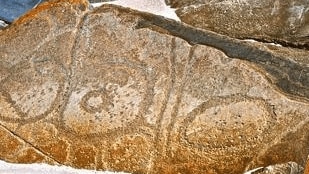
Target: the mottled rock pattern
(306, 170)
(281, 21)
(13, 148)
(286, 168)
(116, 89)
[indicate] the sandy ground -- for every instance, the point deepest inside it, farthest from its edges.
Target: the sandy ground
(9, 168)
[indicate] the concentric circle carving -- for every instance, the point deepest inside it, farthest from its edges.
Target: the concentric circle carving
(96, 101)
(111, 101)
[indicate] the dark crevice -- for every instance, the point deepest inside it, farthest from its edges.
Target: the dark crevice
(30, 144)
(302, 43)
(291, 77)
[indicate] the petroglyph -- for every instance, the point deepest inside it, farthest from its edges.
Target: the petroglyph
(116, 89)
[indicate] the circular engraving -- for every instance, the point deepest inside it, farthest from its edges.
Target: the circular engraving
(234, 123)
(96, 101)
(116, 97)
(30, 92)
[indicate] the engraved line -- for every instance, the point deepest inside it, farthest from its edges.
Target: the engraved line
(293, 84)
(30, 144)
(188, 68)
(212, 103)
(277, 139)
(69, 89)
(23, 120)
(171, 77)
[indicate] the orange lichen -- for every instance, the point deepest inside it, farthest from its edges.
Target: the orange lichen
(9, 144)
(57, 150)
(30, 156)
(131, 154)
(307, 167)
(84, 157)
(82, 5)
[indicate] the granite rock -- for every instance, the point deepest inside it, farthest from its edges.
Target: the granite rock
(279, 21)
(306, 170)
(120, 90)
(285, 168)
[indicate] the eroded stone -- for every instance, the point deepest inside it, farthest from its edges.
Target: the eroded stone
(116, 89)
(285, 22)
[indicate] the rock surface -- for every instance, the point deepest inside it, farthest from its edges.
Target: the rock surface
(280, 21)
(306, 171)
(286, 168)
(120, 90)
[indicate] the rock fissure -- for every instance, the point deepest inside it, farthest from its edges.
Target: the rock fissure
(117, 89)
(296, 82)
(27, 143)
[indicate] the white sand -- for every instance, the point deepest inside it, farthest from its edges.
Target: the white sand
(157, 7)
(9, 168)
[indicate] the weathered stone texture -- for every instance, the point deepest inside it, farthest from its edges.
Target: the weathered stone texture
(13, 149)
(285, 22)
(285, 168)
(306, 170)
(121, 90)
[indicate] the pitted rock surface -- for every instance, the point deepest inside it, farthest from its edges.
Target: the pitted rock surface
(279, 21)
(285, 168)
(116, 89)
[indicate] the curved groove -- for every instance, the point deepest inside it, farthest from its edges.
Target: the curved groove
(296, 83)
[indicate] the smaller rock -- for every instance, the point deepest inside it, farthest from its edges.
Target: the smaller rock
(3, 24)
(286, 168)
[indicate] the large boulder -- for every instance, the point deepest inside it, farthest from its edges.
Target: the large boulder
(121, 90)
(280, 21)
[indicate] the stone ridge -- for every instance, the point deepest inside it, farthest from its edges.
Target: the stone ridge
(120, 90)
(284, 22)
(289, 76)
